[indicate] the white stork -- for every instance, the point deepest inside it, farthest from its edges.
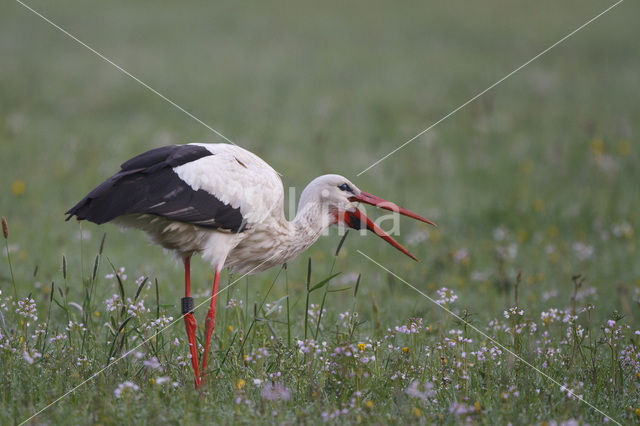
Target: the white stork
(226, 204)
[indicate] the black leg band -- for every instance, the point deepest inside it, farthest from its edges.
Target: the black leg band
(187, 305)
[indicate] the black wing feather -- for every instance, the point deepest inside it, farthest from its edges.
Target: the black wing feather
(148, 184)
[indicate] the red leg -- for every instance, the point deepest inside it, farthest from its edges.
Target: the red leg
(189, 320)
(210, 322)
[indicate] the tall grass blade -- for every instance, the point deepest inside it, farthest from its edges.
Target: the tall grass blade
(323, 282)
(101, 248)
(115, 338)
(344, 237)
(306, 306)
(286, 280)
(140, 288)
(157, 300)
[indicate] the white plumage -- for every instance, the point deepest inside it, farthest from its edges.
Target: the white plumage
(237, 178)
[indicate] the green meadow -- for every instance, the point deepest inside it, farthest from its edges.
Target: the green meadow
(533, 185)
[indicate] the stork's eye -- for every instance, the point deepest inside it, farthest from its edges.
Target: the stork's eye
(345, 187)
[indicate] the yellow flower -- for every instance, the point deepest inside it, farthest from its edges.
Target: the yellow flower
(230, 328)
(18, 187)
(417, 412)
(96, 313)
(405, 350)
(361, 346)
(477, 407)
(597, 146)
(637, 411)
(152, 381)
(522, 235)
(240, 384)
(369, 404)
(638, 375)
(624, 148)
(526, 167)
(538, 205)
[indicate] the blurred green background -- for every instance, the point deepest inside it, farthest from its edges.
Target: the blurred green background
(540, 175)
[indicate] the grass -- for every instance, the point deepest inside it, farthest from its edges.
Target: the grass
(532, 186)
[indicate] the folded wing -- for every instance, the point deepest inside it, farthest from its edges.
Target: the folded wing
(148, 184)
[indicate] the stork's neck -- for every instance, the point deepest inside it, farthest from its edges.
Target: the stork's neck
(299, 234)
(311, 219)
(278, 240)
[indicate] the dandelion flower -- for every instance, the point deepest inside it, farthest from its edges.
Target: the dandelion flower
(18, 187)
(597, 146)
(624, 148)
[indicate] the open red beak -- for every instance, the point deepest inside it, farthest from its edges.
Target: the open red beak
(357, 220)
(387, 205)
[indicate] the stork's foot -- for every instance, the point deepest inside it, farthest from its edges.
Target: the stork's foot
(192, 326)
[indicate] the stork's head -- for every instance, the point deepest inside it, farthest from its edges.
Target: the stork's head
(340, 198)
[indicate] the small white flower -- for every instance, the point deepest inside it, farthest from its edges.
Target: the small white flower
(446, 296)
(583, 251)
(423, 392)
(275, 391)
(113, 303)
(30, 358)
(233, 303)
(152, 364)
(124, 388)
